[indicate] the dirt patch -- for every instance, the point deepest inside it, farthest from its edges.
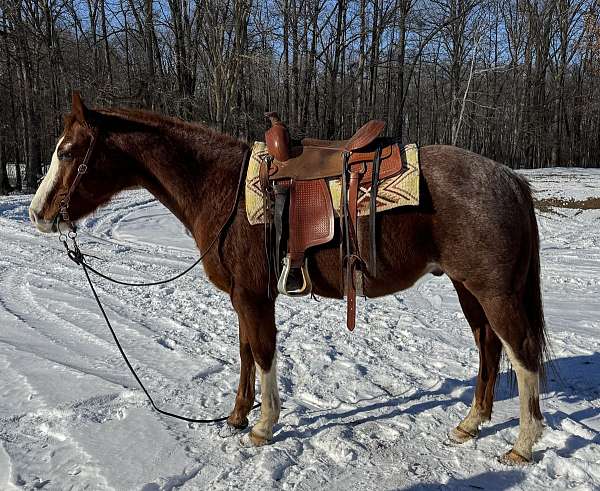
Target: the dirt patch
(547, 204)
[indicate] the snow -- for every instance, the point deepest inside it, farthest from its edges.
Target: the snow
(362, 410)
(565, 182)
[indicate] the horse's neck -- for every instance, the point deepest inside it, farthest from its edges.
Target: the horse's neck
(193, 175)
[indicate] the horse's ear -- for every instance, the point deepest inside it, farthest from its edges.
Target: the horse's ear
(78, 108)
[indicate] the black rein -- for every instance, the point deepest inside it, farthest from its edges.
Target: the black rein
(79, 258)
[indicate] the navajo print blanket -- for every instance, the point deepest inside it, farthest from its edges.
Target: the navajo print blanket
(395, 191)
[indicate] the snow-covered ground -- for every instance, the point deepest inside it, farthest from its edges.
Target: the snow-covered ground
(368, 410)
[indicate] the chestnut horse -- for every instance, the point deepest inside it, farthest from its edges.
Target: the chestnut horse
(475, 223)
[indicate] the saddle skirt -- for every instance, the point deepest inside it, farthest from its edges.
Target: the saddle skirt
(395, 191)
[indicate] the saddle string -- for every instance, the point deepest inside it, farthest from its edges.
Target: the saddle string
(74, 253)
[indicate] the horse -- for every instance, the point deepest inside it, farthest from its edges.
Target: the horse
(475, 223)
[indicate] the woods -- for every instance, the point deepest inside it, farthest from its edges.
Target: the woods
(515, 80)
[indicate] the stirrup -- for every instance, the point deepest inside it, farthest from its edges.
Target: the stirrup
(294, 282)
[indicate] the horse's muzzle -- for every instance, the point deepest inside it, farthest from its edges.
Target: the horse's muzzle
(43, 225)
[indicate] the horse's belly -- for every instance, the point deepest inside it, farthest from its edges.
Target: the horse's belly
(405, 252)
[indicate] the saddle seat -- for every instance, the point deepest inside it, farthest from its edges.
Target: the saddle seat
(308, 162)
(298, 172)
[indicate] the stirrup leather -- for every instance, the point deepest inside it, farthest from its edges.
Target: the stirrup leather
(294, 282)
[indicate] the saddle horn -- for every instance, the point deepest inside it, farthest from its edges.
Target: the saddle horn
(277, 138)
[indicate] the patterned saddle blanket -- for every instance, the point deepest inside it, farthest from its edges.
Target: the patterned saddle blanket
(392, 192)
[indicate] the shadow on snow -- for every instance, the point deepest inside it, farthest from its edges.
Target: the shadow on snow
(571, 380)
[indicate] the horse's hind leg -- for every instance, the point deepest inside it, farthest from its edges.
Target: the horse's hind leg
(490, 349)
(257, 320)
(508, 319)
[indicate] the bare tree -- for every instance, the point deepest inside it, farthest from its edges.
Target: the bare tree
(513, 79)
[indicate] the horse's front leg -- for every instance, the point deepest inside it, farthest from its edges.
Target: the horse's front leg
(257, 327)
(245, 393)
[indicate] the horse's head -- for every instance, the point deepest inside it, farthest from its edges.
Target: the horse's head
(78, 146)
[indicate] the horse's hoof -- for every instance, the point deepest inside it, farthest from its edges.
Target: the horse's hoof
(458, 435)
(257, 440)
(514, 459)
(238, 424)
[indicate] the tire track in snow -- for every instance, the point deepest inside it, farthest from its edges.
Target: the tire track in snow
(49, 453)
(139, 333)
(340, 425)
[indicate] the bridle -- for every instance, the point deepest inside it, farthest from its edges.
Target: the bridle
(79, 258)
(82, 168)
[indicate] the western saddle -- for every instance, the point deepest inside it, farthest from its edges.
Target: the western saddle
(295, 178)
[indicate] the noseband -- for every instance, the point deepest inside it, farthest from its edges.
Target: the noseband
(64, 203)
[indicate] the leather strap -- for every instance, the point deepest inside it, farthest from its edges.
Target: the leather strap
(281, 195)
(267, 193)
(344, 215)
(352, 257)
(81, 170)
(373, 214)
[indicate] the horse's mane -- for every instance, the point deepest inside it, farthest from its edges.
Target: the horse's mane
(158, 121)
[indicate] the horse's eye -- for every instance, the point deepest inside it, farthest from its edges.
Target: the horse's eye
(65, 155)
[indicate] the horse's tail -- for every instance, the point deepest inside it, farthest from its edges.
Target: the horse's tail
(532, 298)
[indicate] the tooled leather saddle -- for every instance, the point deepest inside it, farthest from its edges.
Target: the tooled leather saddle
(298, 204)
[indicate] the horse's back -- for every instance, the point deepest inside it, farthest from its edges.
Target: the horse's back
(472, 217)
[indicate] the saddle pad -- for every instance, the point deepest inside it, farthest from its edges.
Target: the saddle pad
(395, 191)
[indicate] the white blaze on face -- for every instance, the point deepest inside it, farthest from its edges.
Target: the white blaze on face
(43, 194)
